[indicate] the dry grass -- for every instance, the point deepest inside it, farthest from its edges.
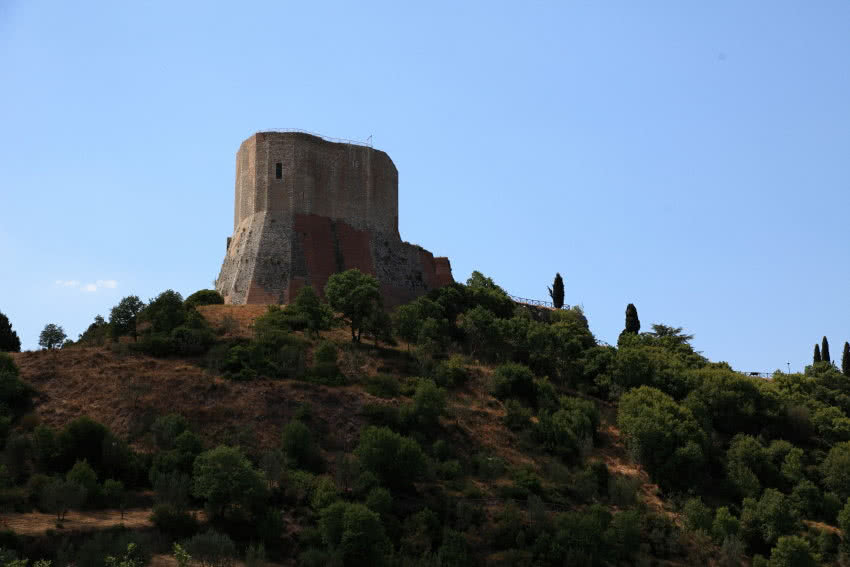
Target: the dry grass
(37, 523)
(121, 390)
(241, 317)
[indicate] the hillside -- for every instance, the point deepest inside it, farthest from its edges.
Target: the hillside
(465, 429)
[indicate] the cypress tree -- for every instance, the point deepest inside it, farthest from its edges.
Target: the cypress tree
(845, 360)
(556, 292)
(9, 341)
(817, 353)
(632, 321)
(824, 351)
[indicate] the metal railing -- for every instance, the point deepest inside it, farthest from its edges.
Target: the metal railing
(538, 302)
(367, 143)
(765, 375)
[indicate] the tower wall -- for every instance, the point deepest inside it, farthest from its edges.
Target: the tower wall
(334, 207)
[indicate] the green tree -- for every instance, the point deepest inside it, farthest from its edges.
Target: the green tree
(844, 524)
(123, 317)
(131, 558)
(725, 524)
(299, 447)
(772, 516)
(204, 297)
(224, 478)
(632, 321)
(835, 469)
(317, 316)
(9, 341)
(396, 460)
(83, 475)
(662, 435)
(96, 333)
(697, 515)
(845, 360)
(52, 336)
(356, 295)
(556, 292)
(824, 350)
(792, 551)
(60, 495)
(211, 549)
(429, 403)
(355, 532)
(115, 494)
(165, 312)
(817, 356)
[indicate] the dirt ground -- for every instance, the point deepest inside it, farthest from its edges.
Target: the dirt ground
(37, 523)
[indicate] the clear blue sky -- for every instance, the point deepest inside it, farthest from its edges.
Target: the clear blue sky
(690, 157)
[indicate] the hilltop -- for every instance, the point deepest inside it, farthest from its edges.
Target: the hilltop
(461, 428)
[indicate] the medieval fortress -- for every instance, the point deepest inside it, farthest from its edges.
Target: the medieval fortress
(307, 208)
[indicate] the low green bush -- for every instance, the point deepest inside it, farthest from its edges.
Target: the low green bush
(174, 522)
(383, 386)
(204, 297)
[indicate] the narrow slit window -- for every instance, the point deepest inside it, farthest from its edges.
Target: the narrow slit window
(278, 171)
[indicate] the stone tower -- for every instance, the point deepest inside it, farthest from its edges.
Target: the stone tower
(307, 208)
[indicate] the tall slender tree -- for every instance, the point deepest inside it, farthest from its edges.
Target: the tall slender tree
(632, 321)
(817, 354)
(824, 350)
(9, 341)
(556, 292)
(845, 360)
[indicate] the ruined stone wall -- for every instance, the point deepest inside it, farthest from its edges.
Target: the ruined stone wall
(335, 207)
(356, 184)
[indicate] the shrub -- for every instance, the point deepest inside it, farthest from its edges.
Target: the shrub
(15, 395)
(725, 525)
(769, 518)
(310, 312)
(211, 548)
(167, 428)
(9, 341)
(662, 435)
(204, 297)
(697, 515)
(83, 475)
(396, 460)
(792, 551)
(174, 521)
(517, 416)
(429, 403)
(59, 496)
(514, 381)
(224, 478)
(356, 532)
(451, 373)
(383, 386)
(115, 495)
(325, 493)
(836, 469)
(299, 447)
(325, 368)
(622, 490)
(82, 439)
(569, 431)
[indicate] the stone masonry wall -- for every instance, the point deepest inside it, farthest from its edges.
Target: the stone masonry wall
(335, 208)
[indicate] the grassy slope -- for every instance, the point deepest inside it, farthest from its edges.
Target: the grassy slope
(124, 390)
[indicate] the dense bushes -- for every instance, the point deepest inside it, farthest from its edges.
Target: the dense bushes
(662, 435)
(204, 297)
(394, 459)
